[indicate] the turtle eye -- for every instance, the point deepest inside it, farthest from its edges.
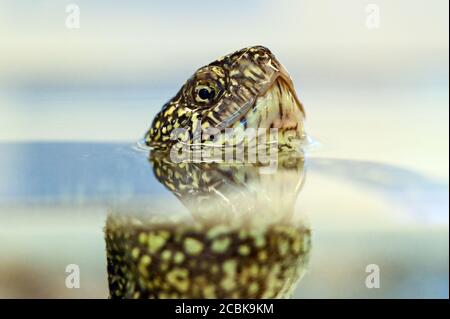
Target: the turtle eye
(205, 93)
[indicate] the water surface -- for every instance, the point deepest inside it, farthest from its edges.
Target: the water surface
(58, 199)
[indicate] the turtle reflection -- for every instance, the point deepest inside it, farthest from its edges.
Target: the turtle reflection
(242, 241)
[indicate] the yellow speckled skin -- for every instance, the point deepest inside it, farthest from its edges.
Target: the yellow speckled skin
(246, 246)
(250, 89)
(175, 260)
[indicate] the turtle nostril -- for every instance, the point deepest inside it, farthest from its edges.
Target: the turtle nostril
(261, 50)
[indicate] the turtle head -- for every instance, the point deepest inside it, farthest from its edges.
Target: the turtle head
(246, 89)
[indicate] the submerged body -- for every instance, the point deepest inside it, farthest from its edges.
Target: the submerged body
(241, 238)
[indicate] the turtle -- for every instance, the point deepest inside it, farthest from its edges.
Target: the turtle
(242, 239)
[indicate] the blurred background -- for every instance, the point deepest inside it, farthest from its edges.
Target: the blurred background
(373, 76)
(105, 80)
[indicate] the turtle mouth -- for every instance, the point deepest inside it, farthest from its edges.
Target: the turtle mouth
(277, 108)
